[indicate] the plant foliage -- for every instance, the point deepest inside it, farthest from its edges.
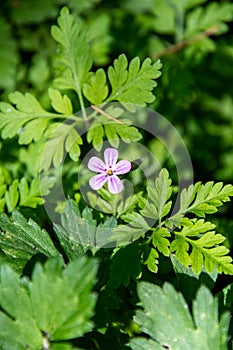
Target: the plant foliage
(31, 315)
(149, 267)
(168, 322)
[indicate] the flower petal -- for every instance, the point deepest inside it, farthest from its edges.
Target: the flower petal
(96, 164)
(97, 181)
(114, 184)
(122, 167)
(110, 156)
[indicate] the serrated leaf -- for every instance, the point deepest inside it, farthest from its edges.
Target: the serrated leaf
(32, 196)
(21, 193)
(134, 228)
(96, 90)
(181, 247)
(116, 132)
(151, 259)
(79, 231)
(61, 137)
(168, 322)
(74, 59)
(21, 239)
(28, 311)
(202, 199)
(77, 279)
(125, 265)
(12, 196)
(133, 82)
(20, 327)
(28, 120)
(61, 104)
(113, 131)
(95, 135)
(202, 18)
(158, 205)
(33, 131)
(206, 248)
(160, 241)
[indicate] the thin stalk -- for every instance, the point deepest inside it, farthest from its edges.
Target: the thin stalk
(79, 92)
(185, 43)
(101, 111)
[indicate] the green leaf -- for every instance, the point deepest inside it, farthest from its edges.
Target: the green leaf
(209, 197)
(74, 61)
(151, 259)
(28, 120)
(113, 131)
(61, 104)
(202, 199)
(133, 82)
(168, 322)
(12, 196)
(77, 279)
(21, 239)
(205, 244)
(29, 311)
(18, 326)
(61, 137)
(183, 5)
(202, 18)
(96, 90)
(95, 135)
(125, 132)
(158, 205)
(163, 9)
(74, 231)
(116, 205)
(145, 344)
(160, 241)
(20, 194)
(125, 265)
(32, 196)
(79, 231)
(134, 228)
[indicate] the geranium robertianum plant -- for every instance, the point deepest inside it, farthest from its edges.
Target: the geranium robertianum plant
(77, 283)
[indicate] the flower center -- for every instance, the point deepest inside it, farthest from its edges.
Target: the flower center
(109, 172)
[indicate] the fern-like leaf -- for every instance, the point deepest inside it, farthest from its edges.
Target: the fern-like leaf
(74, 61)
(28, 119)
(202, 18)
(198, 245)
(158, 206)
(61, 137)
(133, 82)
(202, 199)
(20, 193)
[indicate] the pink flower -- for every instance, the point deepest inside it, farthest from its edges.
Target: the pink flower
(108, 171)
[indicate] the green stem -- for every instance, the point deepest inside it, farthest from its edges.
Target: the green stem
(80, 96)
(85, 118)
